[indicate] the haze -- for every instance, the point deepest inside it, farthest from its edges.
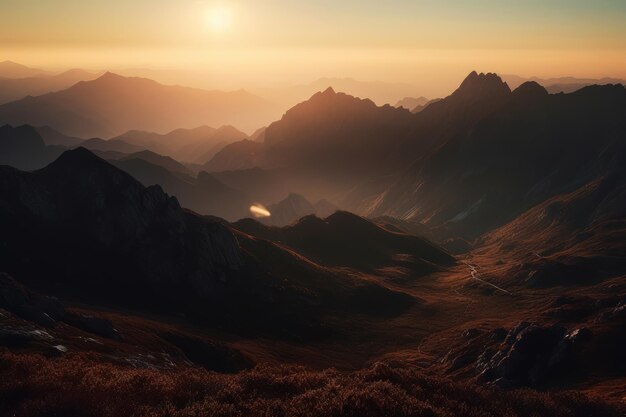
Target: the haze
(256, 45)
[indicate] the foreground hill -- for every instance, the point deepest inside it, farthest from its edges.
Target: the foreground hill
(111, 105)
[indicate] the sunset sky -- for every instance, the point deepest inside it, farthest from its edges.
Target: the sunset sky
(242, 42)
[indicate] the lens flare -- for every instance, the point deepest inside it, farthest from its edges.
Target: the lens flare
(258, 211)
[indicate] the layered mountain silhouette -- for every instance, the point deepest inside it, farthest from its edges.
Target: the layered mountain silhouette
(197, 145)
(12, 89)
(23, 148)
(410, 103)
(561, 84)
(10, 69)
(203, 194)
(295, 206)
(464, 165)
(111, 105)
(135, 245)
(529, 147)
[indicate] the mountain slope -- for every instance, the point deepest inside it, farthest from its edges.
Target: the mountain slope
(530, 147)
(205, 194)
(344, 239)
(14, 89)
(136, 246)
(22, 147)
(112, 104)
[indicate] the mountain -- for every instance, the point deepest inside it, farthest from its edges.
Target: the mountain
(292, 208)
(190, 145)
(164, 161)
(346, 240)
(421, 107)
(561, 84)
(528, 148)
(53, 137)
(295, 206)
(204, 194)
(22, 147)
(464, 165)
(135, 245)
(9, 69)
(102, 145)
(571, 239)
(318, 133)
(410, 103)
(241, 155)
(12, 89)
(112, 104)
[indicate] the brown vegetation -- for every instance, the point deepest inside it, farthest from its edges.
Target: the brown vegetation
(78, 386)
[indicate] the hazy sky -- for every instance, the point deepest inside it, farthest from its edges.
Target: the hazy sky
(243, 42)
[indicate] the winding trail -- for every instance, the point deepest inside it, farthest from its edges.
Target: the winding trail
(475, 275)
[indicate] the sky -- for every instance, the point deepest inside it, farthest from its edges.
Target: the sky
(239, 43)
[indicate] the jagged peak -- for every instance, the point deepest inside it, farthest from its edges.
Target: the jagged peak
(482, 85)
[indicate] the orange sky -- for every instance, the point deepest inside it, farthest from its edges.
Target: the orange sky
(249, 44)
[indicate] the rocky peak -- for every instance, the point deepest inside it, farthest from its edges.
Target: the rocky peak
(483, 85)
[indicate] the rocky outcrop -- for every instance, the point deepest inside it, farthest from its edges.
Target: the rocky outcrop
(532, 355)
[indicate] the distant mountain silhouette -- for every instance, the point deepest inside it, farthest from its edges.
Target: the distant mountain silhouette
(410, 103)
(97, 144)
(561, 84)
(112, 104)
(204, 194)
(240, 155)
(464, 164)
(22, 147)
(12, 89)
(318, 133)
(295, 206)
(164, 161)
(53, 137)
(191, 145)
(9, 69)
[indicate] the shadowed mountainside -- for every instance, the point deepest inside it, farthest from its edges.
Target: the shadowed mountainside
(135, 245)
(344, 239)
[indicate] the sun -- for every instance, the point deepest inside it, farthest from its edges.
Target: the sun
(219, 19)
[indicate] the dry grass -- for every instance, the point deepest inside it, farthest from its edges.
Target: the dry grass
(31, 385)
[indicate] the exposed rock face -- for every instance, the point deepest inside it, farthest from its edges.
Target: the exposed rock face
(532, 355)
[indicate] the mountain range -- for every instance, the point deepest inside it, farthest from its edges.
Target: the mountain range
(111, 105)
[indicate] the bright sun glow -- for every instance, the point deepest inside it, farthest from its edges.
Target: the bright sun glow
(219, 19)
